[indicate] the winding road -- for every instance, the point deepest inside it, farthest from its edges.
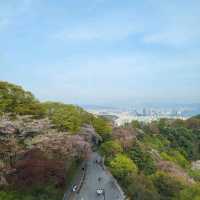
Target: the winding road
(91, 183)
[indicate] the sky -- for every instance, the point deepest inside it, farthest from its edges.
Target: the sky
(102, 52)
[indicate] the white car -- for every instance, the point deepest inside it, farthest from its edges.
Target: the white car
(100, 191)
(74, 188)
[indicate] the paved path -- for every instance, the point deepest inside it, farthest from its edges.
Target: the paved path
(91, 183)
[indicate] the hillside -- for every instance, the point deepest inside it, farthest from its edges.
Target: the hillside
(42, 144)
(158, 160)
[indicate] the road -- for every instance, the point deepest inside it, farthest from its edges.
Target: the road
(91, 183)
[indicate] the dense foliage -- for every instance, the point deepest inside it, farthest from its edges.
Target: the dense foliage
(66, 117)
(184, 140)
(111, 149)
(42, 144)
(122, 166)
(154, 160)
(140, 187)
(143, 159)
(102, 127)
(15, 100)
(167, 186)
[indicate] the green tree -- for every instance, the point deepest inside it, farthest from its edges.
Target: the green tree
(192, 192)
(122, 166)
(111, 148)
(15, 100)
(135, 124)
(142, 159)
(167, 186)
(65, 117)
(176, 157)
(140, 187)
(184, 140)
(102, 127)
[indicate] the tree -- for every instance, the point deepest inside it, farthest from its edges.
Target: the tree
(111, 148)
(167, 186)
(192, 192)
(142, 159)
(15, 100)
(122, 166)
(126, 136)
(66, 117)
(102, 127)
(135, 124)
(140, 187)
(184, 140)
(193, 123)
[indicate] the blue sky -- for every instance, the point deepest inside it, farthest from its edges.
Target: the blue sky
(103, 52)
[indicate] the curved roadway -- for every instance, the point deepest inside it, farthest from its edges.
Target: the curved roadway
(91, 183)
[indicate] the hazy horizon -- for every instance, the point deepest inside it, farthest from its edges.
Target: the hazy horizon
(97, 52)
